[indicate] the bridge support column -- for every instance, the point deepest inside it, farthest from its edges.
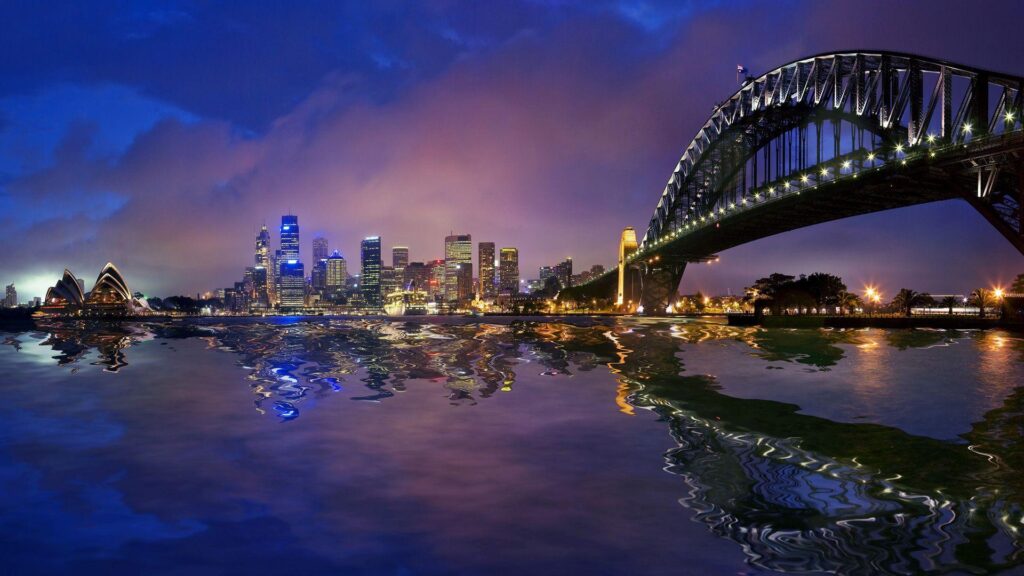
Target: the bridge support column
(659, 285)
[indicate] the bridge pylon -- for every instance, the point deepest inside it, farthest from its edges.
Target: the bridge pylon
(659, 284)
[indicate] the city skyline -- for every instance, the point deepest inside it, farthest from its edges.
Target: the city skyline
(169, 180)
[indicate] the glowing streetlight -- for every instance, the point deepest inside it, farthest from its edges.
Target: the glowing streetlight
(998, 293)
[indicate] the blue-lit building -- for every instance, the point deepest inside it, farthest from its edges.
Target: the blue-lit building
(369, 281)
(291, 272)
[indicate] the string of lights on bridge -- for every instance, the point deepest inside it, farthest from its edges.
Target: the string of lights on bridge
(791, 186)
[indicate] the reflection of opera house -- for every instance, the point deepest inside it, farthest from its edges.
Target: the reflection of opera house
(109, 296)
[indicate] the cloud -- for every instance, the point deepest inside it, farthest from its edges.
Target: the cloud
(550, 135)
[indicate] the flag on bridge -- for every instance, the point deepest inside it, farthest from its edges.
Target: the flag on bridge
(740, 69)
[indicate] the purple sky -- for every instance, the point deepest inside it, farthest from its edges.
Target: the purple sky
(159, 135)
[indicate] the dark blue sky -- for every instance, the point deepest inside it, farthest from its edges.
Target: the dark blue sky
(160, 134)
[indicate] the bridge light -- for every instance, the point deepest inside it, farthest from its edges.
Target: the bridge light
(931, 138)
(824, 171)
(1009, 116)
(771, 189)
(904, 162)
(732, 205)
(846, 165)
(804, 178)
(967, 128)
(871, 156)
(787, 185)
(899, 148)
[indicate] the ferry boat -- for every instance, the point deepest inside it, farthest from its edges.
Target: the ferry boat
(406, 303)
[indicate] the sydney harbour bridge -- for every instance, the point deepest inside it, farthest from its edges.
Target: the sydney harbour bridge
(823, 138)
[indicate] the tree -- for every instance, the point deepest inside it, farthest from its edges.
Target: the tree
(824, 288)
(848, 301)
(1018, 284)
(982, 298)
(948, 302)
(906, 300)
(699, 301)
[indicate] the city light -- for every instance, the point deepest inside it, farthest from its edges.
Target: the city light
(967, 128)
(998, 293)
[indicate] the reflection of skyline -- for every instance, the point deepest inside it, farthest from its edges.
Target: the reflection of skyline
(797, 492)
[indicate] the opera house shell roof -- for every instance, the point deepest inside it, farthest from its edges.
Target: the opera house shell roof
(109, 296)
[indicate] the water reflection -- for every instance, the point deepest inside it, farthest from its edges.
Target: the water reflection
(795, 492)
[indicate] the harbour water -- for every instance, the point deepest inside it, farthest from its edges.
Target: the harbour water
(512, 446)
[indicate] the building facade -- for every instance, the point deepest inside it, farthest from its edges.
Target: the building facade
(485, 259)
(10, 297)
(508, 272)
(291, 272)
(417, 277)
(458, 267)
(337, 274)
(320, 251)
(369, 280)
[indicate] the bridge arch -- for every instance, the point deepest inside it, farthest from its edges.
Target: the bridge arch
(832, 136)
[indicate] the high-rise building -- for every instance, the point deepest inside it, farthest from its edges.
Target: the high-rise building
(508, 272)
(290, 237)
(458, 267)
(485, 259)
(337, 273)
(417, 276)
(318, 277)
(319, 249)
(399, 261)
(388, 280)
(11, 297)
(291, 272)
(435, 288)
(369, 280)
(263, 282)
(563, 271)
(545, 272)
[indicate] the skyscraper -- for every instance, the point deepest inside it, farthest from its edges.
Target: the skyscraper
(369, 281)
(290, 269)
(508, 272)
(399, 261)
(388, 280)
(337, 274)
(563, 271)
(417, 277)
(11, 297)
(435, 287)
(319, 249)
(458, 267)
(485, 260)
(263, 277)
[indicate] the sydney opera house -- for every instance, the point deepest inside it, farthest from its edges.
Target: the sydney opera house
(109, 296)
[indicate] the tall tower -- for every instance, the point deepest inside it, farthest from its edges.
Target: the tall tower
(290, 237)
(458, 267)
(337, 273)
(627, 245)
(508, 272)
(264, 275)
(319, 249)
(369, 280)
(290, 268)
(399, 261)
(485, 260)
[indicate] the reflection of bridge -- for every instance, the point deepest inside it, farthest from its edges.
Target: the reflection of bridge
(824, 138)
